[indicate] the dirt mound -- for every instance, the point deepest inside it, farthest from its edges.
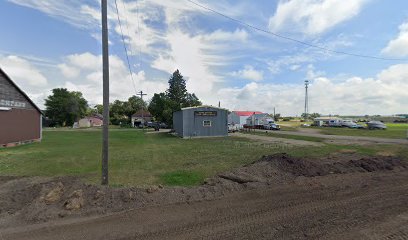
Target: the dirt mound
(282, 167)
(27, 200)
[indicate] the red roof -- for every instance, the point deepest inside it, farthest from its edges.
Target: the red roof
(245, 113)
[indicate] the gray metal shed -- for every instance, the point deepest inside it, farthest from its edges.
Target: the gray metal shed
(202, 121)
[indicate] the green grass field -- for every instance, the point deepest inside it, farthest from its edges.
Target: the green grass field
(140, 159)
(135, 158)
(394, 130)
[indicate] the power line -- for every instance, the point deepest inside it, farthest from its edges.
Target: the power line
(139, 33)
(124, 46)
(293, 39)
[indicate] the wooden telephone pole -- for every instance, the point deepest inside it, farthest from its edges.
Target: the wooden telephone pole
(141, 94)
(105, 60)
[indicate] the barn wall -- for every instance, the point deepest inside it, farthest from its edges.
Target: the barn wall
(11, 97)
(19, 125)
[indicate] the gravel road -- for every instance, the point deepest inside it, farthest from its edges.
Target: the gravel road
(340, 138)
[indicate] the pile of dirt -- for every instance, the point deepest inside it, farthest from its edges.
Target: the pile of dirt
(281, 167)
(28, 200)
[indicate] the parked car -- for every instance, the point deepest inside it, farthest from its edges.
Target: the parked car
(350, 124)
(271, 126)
(376, 125)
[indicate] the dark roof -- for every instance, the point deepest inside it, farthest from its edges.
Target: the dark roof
(98, 115)
(21, 91)
(139, 113)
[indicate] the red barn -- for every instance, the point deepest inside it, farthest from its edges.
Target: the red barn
(20, 118)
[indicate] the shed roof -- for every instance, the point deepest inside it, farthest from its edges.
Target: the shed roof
(204, 106)
(21, 91)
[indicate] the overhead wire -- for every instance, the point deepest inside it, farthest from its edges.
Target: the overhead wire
(140, 38)
(293, 39)
(124, 46)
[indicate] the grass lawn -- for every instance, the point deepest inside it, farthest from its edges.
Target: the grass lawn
(135, 158)
(394, 130)
(139, 159)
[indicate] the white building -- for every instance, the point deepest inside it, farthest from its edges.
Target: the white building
(240, 117)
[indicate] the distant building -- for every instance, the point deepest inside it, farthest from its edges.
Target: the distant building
(94, 121)
(240, 117)
(202, 121)
(20, 118)
(258, 119)
(402, 115)
(141, 117)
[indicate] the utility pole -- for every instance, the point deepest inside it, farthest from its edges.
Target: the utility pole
(141, 94)
(306, 99)
(105, 63)
(274, 116)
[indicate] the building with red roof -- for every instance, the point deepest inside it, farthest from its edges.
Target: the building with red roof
(239, 117)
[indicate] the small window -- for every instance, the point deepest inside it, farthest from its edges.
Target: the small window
(206, 123)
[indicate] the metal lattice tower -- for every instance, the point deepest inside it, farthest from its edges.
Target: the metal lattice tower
(306, 99)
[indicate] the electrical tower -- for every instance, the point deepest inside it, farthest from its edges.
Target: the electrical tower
(306, 99)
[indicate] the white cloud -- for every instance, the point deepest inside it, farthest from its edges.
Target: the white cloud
(72, 11)
(398, 47)
(384, 94)
(68, 71)
(249, 73)
(89, 79)
(313, 16)
(22, 71)
(27, 76)
(276, 66)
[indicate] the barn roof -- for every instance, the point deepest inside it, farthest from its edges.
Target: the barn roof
(21, 91)
(246, 113)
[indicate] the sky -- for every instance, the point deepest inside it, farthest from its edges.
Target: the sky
(48, 44)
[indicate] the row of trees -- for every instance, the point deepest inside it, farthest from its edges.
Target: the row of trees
(64, 107)
(120, 112)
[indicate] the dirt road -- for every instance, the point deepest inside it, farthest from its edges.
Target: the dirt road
(373, 208)
(337, 199)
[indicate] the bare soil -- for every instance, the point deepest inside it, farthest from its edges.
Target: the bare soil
(276, 197)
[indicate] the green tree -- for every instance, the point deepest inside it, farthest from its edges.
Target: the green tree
(117, 112)
(314, 115)
(177, 90)
(121, 111)
(191, 100)
(64, 107)
(277, 117)
(133, 105)
(163, 105)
